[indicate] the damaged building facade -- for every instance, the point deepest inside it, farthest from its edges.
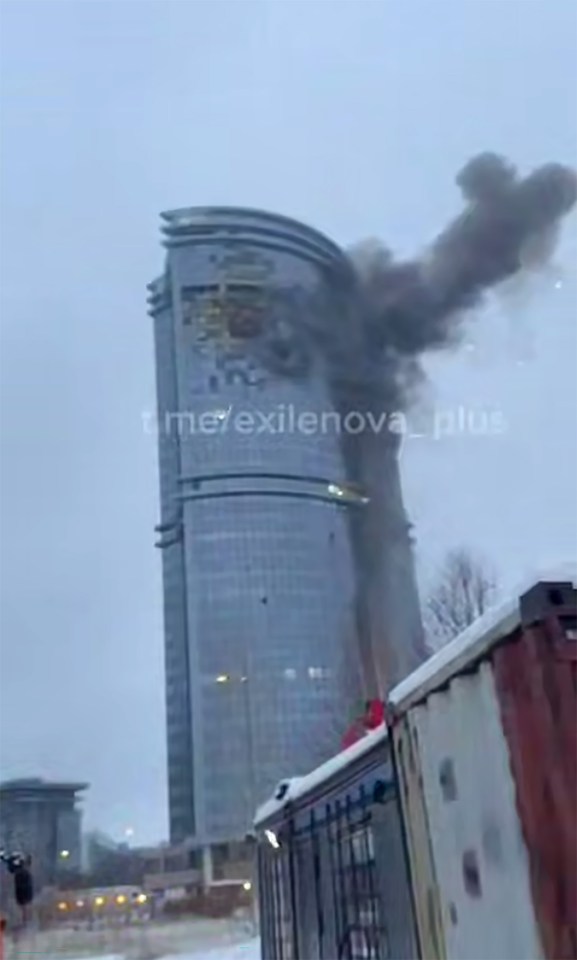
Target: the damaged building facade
(289, 588)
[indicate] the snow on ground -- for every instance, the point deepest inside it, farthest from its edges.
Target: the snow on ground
(190, 939)
(240, 951)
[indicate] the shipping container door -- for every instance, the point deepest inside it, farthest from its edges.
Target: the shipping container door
(480, 857)
(422, 870)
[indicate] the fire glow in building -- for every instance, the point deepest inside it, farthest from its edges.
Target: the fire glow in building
(284, 541)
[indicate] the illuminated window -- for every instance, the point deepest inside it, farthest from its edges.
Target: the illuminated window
(318, 673)
(349, 492)
(290, 673)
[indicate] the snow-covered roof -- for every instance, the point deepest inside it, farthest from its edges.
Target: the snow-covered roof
(474, 642)
(299, 786)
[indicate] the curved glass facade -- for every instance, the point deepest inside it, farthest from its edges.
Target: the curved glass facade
(285, 543)
(258, 571)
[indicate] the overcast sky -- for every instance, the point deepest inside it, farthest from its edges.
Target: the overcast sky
(353, 116)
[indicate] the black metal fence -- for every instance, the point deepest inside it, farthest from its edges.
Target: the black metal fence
(333, 873)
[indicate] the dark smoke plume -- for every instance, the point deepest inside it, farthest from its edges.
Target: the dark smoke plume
(414, 306)
(397, 312)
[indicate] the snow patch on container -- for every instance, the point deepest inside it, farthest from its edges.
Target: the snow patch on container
(299, 786)
(474, 642)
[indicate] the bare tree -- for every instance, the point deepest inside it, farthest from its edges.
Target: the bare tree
(464, 589)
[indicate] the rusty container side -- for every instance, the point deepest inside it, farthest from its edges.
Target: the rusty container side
(536, 681)
(421, 866)
(481, 863)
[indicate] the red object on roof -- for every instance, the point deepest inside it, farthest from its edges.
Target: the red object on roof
(372, 718)
(375, 714)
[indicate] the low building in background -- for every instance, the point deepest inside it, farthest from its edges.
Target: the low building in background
(97, 847)
(43, 818)
(188, 879)
(204, 867)
(117, 903)
(106, 862)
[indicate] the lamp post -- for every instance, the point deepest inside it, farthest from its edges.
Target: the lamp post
(246, 681)
(249, 683)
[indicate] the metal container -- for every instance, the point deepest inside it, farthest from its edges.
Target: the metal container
(422, 868)
(332, 863)
(486, 755)
(536, 680)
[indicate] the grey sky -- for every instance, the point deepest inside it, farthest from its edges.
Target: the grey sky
(353, 116)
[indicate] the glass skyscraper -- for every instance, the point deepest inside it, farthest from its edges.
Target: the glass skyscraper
(257, 501)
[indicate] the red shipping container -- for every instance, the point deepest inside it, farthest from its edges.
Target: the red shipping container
(536, 678)
(492, 720)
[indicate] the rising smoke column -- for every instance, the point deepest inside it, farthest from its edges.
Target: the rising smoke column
(407, 308)
(397, 312)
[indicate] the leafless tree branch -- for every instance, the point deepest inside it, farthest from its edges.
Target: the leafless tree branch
(463, 591)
